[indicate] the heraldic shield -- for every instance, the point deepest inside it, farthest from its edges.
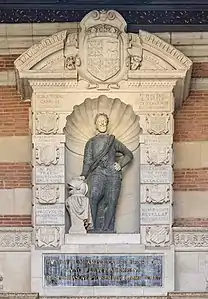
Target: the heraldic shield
(103, 57)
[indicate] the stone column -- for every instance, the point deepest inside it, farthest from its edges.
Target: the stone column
(156, 173)
(48, 172)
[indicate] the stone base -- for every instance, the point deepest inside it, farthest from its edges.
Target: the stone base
(102, 239)
(103, 256)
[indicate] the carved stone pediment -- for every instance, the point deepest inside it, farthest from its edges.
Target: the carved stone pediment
(100, 54)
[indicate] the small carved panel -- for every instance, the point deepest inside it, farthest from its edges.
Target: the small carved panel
(155, 214)
(156, 174)
(47, 122)
(156, 155)
(50, 214)
(158, 123)
(156, 193)
(47, 237)
(64, 270)
(47, 154)
(157, 236)
(47, 194)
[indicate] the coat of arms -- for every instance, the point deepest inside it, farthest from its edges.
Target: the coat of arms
(103, 58)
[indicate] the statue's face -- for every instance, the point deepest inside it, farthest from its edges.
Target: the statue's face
(102, 123)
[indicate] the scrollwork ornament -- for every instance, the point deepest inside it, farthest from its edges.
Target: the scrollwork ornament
(157, 193)
(47, 123)
(158, 156)
(158, 123)
(47, 155)
(47, 237)
(157, 236)
(47, 194)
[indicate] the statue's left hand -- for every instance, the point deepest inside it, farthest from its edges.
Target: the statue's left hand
(117, 166)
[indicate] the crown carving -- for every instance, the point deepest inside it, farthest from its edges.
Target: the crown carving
(103, 30)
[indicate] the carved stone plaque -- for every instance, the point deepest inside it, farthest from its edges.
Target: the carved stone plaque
(153, 102)
(47, 194)
(53, 174)
(156, 155)
(157, 236)
(47, 122)
(50, 214)
(47, 237)
(47, 154)
(158, 123)
(156, 174)
(156, 193)
(155, 214)
(142, 270)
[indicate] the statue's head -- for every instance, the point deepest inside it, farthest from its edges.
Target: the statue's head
(77, 187)
(101, 122)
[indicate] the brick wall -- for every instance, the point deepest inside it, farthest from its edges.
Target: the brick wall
(200, 70)
(15, 220)
(14, 113)
(7, 62)
(191, 121)
(191, 179)
(15, 175)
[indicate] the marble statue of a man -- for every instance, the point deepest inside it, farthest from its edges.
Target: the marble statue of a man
(103, 171)
(78, 206)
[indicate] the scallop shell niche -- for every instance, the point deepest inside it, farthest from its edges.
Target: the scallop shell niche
(80, 126)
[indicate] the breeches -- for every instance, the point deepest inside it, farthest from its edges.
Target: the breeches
(106, 189)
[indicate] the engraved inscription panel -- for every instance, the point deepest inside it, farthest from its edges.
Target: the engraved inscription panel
(156, 174)
(50, 214)
(153, 102)
(154, 214)
(53, 174)
(103, 270)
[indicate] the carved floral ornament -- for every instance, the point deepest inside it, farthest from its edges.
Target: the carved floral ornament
(102, 54)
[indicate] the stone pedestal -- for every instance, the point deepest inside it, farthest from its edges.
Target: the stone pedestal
(114, 267)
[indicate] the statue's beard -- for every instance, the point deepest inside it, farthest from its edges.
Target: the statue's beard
(102, 129)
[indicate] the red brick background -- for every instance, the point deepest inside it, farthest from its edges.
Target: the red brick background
(200, 70)
(15, 175)
(191, 121)
(15, 220)
(191, 179)
(14, 113)
(7, 62)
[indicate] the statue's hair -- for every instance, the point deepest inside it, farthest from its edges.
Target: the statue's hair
(101, 114)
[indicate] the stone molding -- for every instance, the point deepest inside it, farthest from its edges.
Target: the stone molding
(172, 295)
(190, 238)
(15, 239)
(184, 238)
(9, 295)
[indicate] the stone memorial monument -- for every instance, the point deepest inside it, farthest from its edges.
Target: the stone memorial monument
(102, 115)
